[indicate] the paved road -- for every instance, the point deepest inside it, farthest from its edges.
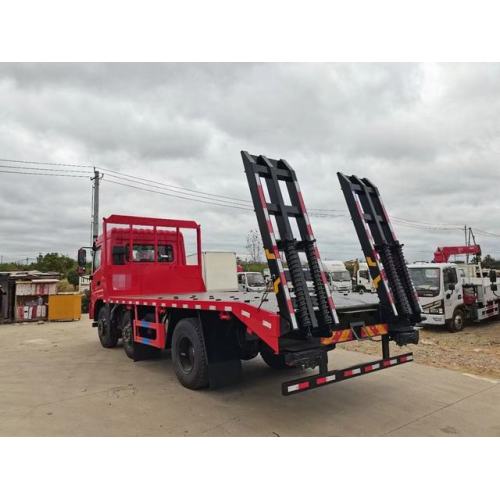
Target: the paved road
(55, 379)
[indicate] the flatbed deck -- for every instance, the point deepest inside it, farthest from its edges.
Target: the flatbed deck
(220, 300)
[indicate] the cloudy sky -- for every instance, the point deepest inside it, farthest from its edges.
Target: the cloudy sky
(428, 135)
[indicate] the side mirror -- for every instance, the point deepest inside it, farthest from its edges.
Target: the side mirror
(451, 287)
(82, 257)
(493, 275)
(494, 287)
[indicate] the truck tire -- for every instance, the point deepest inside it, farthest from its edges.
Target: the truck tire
(275, 361)
(189, 356)
(456, 323)
(135, 350)
(107, 335)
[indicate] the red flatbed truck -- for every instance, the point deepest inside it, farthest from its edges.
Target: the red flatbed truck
(145, 292)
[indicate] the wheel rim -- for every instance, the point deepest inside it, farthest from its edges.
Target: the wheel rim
(186, 355)
(458, 321)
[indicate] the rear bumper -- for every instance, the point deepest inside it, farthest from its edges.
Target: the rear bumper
(320, 380)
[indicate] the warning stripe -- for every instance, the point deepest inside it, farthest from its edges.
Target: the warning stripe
(283, 280)
(304, 384)
(347, 334)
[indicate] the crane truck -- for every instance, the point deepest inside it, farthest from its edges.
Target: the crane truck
(452, 293)
(145, 292)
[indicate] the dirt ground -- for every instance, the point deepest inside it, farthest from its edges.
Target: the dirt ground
(57, 380)
(476, 349)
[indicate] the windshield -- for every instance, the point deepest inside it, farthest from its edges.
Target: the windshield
(341, 276)
(425, 280)
(255, 279)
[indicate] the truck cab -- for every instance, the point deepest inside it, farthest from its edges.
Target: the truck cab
(362, 279)
(450, 293)
(142, 261)
(251, 282)
(440, 293)
(338, 276)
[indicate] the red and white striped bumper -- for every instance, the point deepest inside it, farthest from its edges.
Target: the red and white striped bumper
(306, 383)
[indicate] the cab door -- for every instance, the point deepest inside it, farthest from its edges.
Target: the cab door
(452, 291)
(242, 283)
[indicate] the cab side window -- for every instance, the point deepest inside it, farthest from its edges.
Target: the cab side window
(363, 274)
(119, 255)
(143, 253)
(241, 279)
(449, 276)
(165, 253)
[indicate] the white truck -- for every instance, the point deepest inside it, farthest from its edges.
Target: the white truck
(251, 282)
(338, 276)
(362, 279)
(450, 294)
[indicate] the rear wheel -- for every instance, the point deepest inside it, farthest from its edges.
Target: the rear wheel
(189, 355)
(107, 335)
(275, 361)
(128, 334)
(456, 323)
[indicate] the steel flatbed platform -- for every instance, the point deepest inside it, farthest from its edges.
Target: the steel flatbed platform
(221, 300)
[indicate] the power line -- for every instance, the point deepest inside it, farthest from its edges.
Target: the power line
(132, 181)
(177, 196)
(151, 184)
(48, 163)
(40, 169)
(38, 173)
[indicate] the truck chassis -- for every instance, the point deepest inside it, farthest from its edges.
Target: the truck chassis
(294, 326)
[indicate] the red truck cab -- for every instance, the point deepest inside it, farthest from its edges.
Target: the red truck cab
(143, 261)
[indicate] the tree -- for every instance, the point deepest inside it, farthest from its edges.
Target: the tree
(73, 278)
(490, 263)
(254, 246)
(54, 262)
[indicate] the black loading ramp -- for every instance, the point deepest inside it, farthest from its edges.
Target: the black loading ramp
(310, 314)
(384, 256)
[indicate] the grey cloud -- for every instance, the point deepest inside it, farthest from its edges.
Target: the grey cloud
(429, 136)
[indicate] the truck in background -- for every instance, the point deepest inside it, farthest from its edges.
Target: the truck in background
(251, 281)
(338, 276)
(361, 279)
(452, 293)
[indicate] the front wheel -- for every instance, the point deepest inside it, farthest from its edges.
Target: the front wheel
(107, 334)
(189, 355)
(456, 323)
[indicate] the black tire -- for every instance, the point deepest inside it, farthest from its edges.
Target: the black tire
(189, 355)
(107, 335)
(275, 361)
(135, 350)
(456, 324)
(128, 334)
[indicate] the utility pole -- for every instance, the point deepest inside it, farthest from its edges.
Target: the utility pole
(465, 232)
(95, 207)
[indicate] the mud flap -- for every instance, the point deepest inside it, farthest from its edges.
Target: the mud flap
(224, 373)
(143, 352)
